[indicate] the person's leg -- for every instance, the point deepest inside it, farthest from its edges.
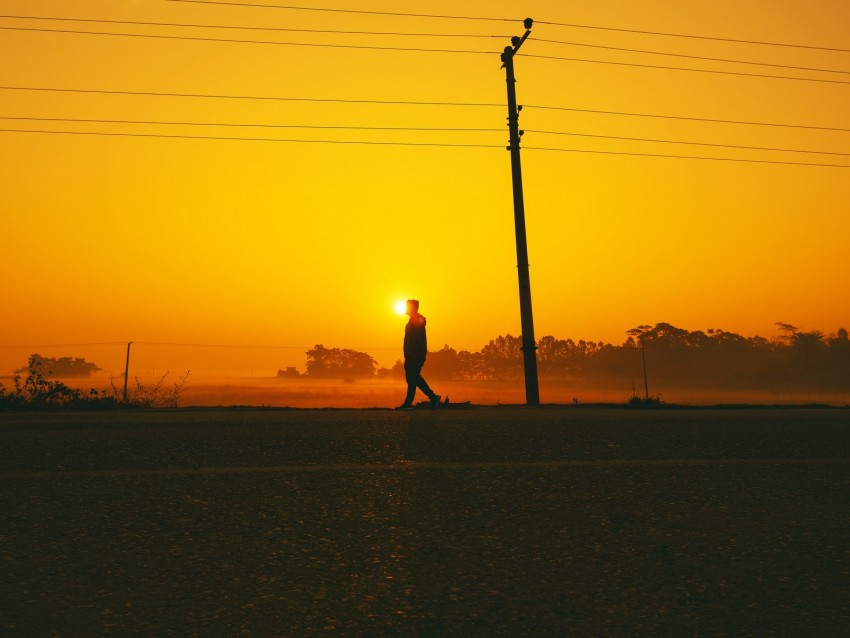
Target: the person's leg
(422, 384)
(411, 375)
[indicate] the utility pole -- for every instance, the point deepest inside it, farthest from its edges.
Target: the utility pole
(529, 345)
(127, 370)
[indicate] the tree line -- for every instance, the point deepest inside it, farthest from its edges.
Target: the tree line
(675, 358)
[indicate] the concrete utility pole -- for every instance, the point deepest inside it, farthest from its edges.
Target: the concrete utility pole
(529, 345)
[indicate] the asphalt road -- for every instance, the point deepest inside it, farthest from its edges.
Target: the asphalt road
(483, 522)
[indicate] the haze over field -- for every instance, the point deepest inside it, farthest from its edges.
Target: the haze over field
(116, 227)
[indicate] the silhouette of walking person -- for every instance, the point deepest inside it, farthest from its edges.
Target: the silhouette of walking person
(415, 351)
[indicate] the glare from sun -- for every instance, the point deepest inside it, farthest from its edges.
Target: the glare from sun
(400, 306)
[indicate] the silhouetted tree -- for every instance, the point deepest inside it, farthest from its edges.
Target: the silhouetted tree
(60, 367)
(339, 363)
(472, 365)
(555, 357)
(443, 364)
(713, 359)
(503, 357)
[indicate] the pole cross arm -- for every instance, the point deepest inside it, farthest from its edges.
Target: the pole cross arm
(516, 41)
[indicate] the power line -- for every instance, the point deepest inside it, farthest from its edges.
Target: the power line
(64, 345)
(250, 28)
(546, 22)
(687, 157)
(181, 344)
(682, 117)
(361, 12)
(676, 68)
(692, 57)
(250, 139)
(251, 347)
(238, 41)
(418, 103)
(429, 144)
(695, 37)
(411, 129)
(249, 97)
(663, 141)
(416, 50)
(256, 125)
(219, 345)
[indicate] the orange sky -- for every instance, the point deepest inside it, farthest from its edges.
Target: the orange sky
(111, 239)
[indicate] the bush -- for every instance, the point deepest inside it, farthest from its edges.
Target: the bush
(641, 402)
(152, 395)
(37, 391)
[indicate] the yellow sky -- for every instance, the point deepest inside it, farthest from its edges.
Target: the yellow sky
(112, 239)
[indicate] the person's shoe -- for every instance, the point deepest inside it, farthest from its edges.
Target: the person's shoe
(405, 406)
(435, 401)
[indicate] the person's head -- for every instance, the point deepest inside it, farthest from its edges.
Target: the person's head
(412, 307)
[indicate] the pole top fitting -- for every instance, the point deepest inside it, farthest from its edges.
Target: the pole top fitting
(527, 23)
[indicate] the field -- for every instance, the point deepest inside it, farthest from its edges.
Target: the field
(311, 393)
(492, 521)
(221, 390)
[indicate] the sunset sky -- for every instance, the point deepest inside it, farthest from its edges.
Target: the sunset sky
(250, 242)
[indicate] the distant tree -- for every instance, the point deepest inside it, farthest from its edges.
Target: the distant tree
(396, 372)
(839, 360)
(788, 332)
(290, 373)
(61, 367)
(472, 365)
(502, 357)
(553, 356)
(713, 359)
(339, 363)
(443, 364)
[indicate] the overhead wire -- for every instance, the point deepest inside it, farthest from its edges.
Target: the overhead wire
(255, 125)
(685, 118)
(689, 157)
(175, 344)
(241, 41)
(413, 103)
(252, 97)
(63, 345)
(692, 57)
(677, 68)
(725, 60)
(252, 28)
(401, 34)
(692, 36)
(691, 143)
(426, 144)
(249, 139)
(423, 50)
(411, 129)
(546, 22)
(357, 11)
(219, 345)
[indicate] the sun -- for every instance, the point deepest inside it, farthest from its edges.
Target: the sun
(400, 306)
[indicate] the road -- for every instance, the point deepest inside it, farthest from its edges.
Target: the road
(481, 522)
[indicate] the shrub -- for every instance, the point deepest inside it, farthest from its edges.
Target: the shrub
(152, 395)
(37, 391)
